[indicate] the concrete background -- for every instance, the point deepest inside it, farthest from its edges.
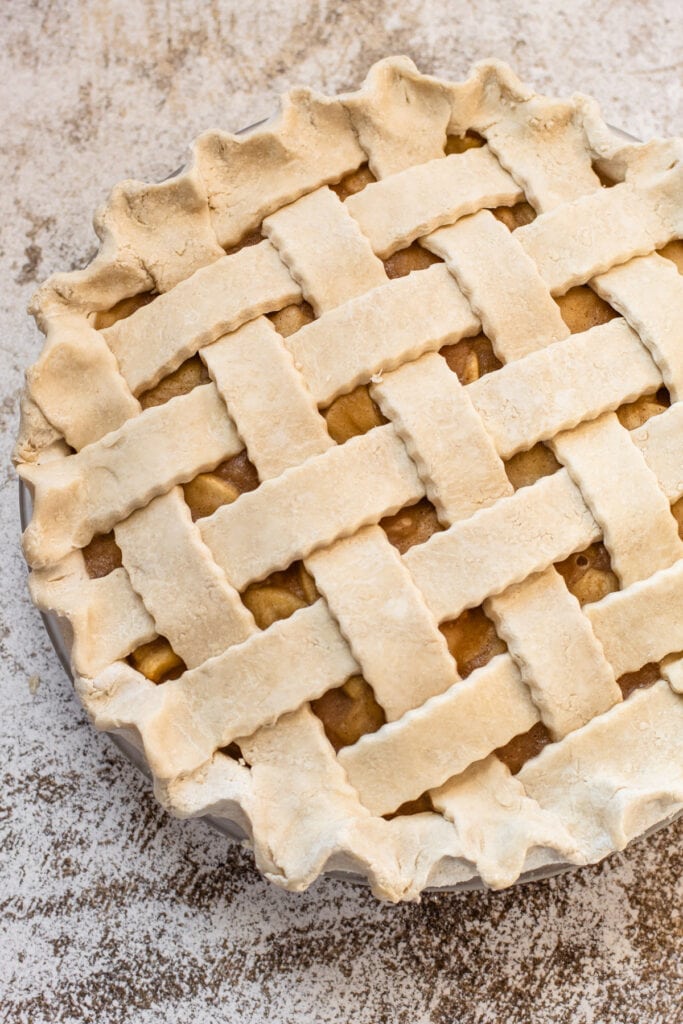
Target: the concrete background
(113, 912)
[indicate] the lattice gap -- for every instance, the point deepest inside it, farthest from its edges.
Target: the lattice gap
(122, 309)
(582, 309)
(461, 143)
(526, 467)
(251, 238)
(157, 660)
(413, 524)
(348, 712)
(352, 414)
(606, 180)
(208, 491)
(421, 805)
(188, 376)
(291, 318)
(234, 752)
(280, 594)
(471, 358)
(633, 414)
(472, 640)
(522, 748)
(516, 216)
(674, 252)
(102, 555)
(588, 574)
(406, 261)
(354, 182)
(645, 676)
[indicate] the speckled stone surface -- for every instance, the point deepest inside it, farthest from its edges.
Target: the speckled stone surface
(112, 911)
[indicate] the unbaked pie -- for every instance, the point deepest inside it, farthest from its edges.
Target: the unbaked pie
(356, 458)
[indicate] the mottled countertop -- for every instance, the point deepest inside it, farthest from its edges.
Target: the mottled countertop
(113, 911)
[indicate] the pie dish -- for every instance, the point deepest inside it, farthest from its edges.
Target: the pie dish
(356, 457)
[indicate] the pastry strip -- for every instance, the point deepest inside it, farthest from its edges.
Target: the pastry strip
(347, 345)
(88, 493)
(394, 212)
(440, 739)
(454, 455)
(192, 603)
(309, 506)
(254, 372)
(576, 241)
(562, 385)
(107, 618)
(648, 292)
(248, 686)
(622, 492)
(660, 440)
(570, 681)
(503, 286)
(381, 612)
(643, 623)
(501, 545)
(157, 338)
(324, 250)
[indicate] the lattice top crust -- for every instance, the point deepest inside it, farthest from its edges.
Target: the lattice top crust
(235, 732)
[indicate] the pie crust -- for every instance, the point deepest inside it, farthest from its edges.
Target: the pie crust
(355, 456)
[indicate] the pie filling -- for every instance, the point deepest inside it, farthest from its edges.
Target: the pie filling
(351, 710)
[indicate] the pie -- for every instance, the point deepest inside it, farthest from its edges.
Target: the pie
(356, 457)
